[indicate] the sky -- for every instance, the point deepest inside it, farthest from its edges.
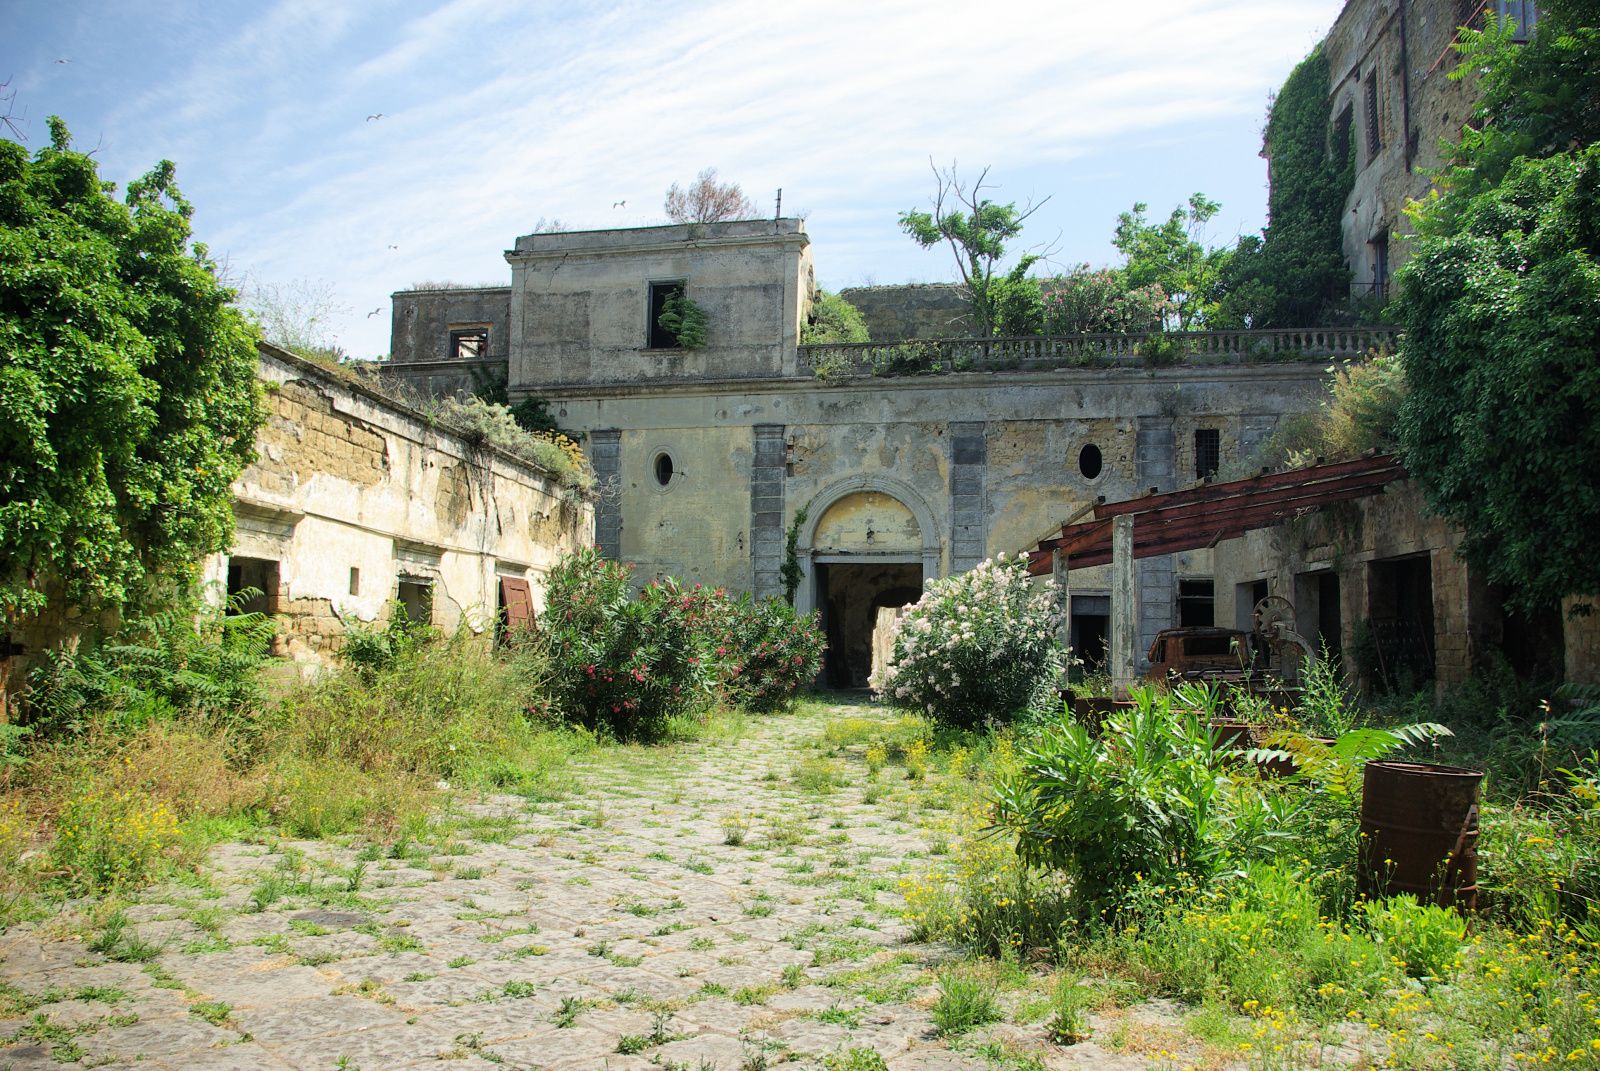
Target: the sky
(359, 149)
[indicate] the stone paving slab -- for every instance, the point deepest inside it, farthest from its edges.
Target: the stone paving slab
(550, 935)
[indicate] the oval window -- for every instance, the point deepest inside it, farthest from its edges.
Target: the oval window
(663, 469)
(1089, 461)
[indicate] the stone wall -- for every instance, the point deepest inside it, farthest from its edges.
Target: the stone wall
(419, 340)
(918, 310)
(1580, 618)
(1402, 50)
(352, 495)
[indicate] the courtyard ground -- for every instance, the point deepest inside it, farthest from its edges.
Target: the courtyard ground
(726, 903)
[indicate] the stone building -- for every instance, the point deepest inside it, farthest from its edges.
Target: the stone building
(1392, 103)
(356, 504)
(971, 449)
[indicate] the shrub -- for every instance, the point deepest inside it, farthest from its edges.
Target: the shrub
(1090, 301)
(1424, 940)
(629, 664)
(771, 653)
(1149, 801)
(833, 319)
(495, 424)
(978, 647)
(966, 999)
(108, 839)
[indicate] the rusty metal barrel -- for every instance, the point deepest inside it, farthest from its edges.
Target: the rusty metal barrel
(1419, 832)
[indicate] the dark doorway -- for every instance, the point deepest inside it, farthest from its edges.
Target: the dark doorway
(849, 595)
(1089, 633)
(252, 586)
(1318, 616)
(415, 595)
(1533, 642)
(1400, 621)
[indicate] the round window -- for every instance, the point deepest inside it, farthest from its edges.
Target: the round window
(663, 469)
(1089, 461)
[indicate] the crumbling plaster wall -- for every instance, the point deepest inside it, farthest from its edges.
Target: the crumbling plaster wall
(871, 434)
(580, 306)
(346, 480)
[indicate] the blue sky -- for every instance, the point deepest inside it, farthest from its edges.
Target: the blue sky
(498, 114)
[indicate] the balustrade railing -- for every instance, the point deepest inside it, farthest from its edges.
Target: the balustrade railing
(1051, 352)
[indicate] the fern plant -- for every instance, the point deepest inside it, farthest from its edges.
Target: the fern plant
(683, 320)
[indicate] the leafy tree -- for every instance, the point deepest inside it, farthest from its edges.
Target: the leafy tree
(1294, 274)
(683, 320)
(1501, 303)
(977, 230)
(708, 201)
(1502, 356)
(128, 397)
(1172, 255)
(833, 319)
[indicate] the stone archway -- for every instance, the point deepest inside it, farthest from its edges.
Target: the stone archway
(869, 542)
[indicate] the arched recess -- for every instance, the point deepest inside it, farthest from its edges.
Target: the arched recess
(805, 545)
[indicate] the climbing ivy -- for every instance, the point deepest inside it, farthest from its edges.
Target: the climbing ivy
(791, 571)
(1294, 275)
(128, 397)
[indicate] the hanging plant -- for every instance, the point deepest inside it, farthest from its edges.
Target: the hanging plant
(683, 320)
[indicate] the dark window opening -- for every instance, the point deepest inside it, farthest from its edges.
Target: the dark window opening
(469, 343)
(1374, 136)
(1090, 461)
(664, 469)
(1245, 598)
(1090, 633)
(1400, 622)
(1197, 604)
(1207, 453)
(656, 336)
(1220, 646)
(1379, 247)
(415, 596)
(355, 580)
(252, 586)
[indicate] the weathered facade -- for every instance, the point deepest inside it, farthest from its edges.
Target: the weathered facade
(1393, 102)
(710, 454)
(356, 504)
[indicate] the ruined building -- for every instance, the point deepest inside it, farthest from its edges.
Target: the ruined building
(1393, 102)
(907, 461)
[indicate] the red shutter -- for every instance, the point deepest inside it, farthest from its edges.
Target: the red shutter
(517, 597)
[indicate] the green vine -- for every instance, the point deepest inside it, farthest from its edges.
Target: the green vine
(683, 320)
(791, 572)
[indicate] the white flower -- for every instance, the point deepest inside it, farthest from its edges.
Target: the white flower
(442, 785)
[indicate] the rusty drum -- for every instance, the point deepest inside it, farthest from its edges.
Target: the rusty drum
(1419, 832)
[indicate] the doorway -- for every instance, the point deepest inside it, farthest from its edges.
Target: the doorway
(850, 595)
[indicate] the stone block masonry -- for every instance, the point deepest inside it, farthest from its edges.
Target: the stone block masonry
(969, 462)
(766, 509)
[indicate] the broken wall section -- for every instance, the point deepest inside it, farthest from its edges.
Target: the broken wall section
(357, 507)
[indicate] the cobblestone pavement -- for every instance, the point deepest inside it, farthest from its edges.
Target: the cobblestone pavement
(615, 928)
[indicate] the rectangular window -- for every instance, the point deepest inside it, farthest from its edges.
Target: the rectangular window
(1341, 136)
(1379, 248)
(1523, 15)
(415, 595)
(1207, 453)
(252, 586)
(1374, 137)
(355, 580)
(1196, 603)
(469, 343)
(656, 336)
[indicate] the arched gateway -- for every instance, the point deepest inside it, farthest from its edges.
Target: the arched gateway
(869, 541)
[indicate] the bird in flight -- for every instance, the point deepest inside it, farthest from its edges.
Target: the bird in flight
(63, 61)
(374, 312)
(370, 118)
(394, 247)
(619, 204)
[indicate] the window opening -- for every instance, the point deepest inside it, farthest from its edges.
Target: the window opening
(664, 469)
(258, 577)
(415, 596)
(1341, 136)
(1374, 138)
(1523, 14)
(469, 343)
(1379, 247)
(1090, 461)
(1207, 453)
(1196, 603)
(656, 336)
(355, 580)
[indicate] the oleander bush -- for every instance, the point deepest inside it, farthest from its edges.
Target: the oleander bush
(772, 651)
(978, 647)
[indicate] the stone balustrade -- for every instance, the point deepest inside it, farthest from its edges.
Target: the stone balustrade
(1050, 352)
